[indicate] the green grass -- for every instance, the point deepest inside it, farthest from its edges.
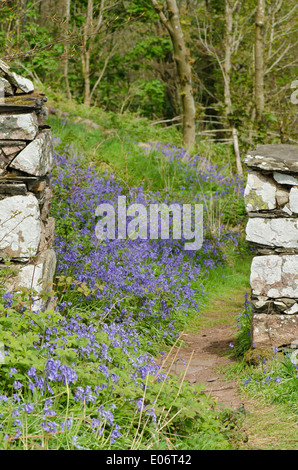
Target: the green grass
(270, 427)
(270, 392)
(121, 152)
(186, 419)
(223, 284)
(113, 147)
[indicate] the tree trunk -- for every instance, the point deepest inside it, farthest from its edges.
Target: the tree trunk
(91, 28)
(86, 52)
(227, 82)
(67, 21)
(181, 56)
(259, 60)
(236, 150)
(86, 75)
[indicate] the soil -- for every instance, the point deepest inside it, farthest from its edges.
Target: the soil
(204, 357)
(208, 353)
(205, 354)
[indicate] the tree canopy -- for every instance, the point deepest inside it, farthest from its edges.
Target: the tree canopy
(237, 58)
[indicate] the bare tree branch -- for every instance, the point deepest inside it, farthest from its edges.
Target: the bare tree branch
(159, 10)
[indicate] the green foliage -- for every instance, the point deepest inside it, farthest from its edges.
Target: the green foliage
(142, 10)
(151, 48)
(139, 72)
(181, 413)
(172, 410)
(267, 373)
(149, 97)
(243, 338)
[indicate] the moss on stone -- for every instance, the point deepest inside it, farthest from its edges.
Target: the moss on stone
(255, 201)
(255, 356)
(19, 100)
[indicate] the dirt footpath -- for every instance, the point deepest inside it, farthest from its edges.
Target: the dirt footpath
(208, 352)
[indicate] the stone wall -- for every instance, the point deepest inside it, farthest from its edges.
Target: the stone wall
(271, 201)
(26, 159)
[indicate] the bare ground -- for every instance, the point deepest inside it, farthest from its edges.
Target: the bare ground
(206, 352)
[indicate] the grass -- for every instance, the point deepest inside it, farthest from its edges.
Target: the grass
(223, 284)
(113, 149)
(269, 389)
(270, 427)
(123, 154)
(271, 420)
(185, 419)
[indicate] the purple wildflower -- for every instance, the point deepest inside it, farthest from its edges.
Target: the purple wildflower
(115, 433)
(28, 407)
(17, 385)
(74, 441)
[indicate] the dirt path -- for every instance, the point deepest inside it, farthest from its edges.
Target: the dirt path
(207, 351)
(205, 355)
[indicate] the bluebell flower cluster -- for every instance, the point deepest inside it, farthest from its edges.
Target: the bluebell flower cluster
(118, 283)
(158, 272)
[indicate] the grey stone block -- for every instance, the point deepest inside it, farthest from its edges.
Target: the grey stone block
(37, 157)
(18, 126)
(20, 226)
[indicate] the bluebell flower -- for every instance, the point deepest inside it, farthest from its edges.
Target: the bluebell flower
(31, 372)
(28, 407)
(74, 441)
(66, 424)
(17, 422)
(151, 412)
(49, 426)
(17, 385)
(18, 433)
(115, 433)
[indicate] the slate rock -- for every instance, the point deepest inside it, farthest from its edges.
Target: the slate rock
(18, 126)
(259, 193)
(274, 330)
(7, 189)
(37, 276)
(37, 157)
(283, 178)
(275, 276)
(281, 232)
(277, 157)
(24, 84)
(293, 200)
(6, 88)
(8, 151)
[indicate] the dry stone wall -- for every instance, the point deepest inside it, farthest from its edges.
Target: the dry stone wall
(26, 159)
(271, 201)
